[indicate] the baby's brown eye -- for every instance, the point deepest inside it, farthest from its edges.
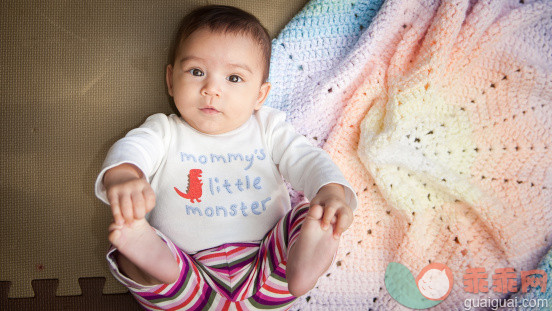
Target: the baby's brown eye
(196, 72)
(234, 78)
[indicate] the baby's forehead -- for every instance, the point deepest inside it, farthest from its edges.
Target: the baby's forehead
(237, 34)
(257, 46)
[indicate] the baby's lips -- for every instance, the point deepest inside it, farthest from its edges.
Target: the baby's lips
(210, 110)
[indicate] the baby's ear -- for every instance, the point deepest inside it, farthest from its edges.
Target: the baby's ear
(169, 79)
(263, 93)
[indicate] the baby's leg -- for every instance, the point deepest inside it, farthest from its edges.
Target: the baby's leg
(143, 255)
(311, 255)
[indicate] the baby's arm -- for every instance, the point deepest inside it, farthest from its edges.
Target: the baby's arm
(129, 166)
(128, 192)
(311, 170)
(336, 211)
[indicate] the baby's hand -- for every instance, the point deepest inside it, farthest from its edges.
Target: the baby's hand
(128, 192)
(336, 211)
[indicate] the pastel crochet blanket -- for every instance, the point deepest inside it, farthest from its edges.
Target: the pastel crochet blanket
(439, 114)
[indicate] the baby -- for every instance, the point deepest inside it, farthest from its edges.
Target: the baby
(202, 216)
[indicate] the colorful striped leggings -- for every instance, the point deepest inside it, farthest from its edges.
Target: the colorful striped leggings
(234, 276)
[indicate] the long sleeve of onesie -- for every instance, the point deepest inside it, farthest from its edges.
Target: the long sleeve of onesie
(144, 147)
(306, 167)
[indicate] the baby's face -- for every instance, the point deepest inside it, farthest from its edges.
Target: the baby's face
(216, 80)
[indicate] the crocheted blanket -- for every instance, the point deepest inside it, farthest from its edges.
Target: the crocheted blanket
(439, 113)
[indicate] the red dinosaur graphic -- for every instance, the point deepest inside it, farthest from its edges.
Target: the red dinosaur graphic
(194, 186)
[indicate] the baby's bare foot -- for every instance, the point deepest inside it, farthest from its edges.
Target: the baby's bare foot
(143, 248)
(311, 255)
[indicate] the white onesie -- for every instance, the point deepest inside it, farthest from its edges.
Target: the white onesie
(227, 188)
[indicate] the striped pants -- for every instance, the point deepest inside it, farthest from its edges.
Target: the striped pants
(234, 276)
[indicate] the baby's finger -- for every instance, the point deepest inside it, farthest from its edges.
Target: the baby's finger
(149, 196)
(113, 199)
(329, 213)
(126, 208)
(139, 205)
(116, 211)
(344, 220)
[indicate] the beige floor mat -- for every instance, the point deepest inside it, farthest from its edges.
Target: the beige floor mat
(76, 75)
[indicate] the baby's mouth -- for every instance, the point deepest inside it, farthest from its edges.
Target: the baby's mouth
(209, 110)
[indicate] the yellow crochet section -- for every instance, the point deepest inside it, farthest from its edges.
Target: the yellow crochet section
(418, 144)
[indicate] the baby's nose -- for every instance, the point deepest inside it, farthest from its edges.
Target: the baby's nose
(211, 89)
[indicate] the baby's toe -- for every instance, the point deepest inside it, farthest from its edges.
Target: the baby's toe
(315, 212)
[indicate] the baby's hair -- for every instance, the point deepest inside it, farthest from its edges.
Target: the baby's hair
(227, 19)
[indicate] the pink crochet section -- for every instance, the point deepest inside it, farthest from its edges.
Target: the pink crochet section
(446, 138)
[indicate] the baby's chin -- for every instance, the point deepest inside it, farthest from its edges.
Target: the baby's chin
(209, 127)
(214, 129)
(217, 127)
